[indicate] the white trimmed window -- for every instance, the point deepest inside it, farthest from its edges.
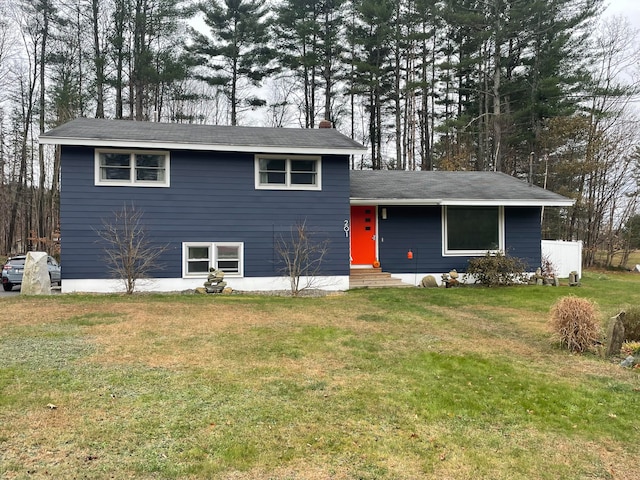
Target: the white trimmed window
(288, 173)
(127, 168)
(227, 257)
(472, 231)
(197, 259)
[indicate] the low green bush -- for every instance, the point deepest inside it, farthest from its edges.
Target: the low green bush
(497, 269)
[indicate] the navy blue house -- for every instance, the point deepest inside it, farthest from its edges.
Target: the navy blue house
(224, 197)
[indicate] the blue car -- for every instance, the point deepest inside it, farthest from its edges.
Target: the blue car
(14, 268)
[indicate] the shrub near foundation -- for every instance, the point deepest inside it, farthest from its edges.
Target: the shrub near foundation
(576, 323)
(497, 269)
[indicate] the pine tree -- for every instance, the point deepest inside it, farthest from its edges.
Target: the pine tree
(373, 79)
(237, 53)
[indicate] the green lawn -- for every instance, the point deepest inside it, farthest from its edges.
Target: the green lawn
(460, 383)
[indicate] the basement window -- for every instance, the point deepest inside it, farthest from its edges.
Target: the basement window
(199, 257)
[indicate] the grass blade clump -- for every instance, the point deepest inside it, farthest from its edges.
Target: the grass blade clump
(575, 321)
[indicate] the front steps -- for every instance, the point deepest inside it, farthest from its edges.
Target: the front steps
(373, 278)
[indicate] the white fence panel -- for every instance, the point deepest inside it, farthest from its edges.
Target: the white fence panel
(566, 257)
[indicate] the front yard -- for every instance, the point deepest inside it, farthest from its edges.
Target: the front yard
(373, 384)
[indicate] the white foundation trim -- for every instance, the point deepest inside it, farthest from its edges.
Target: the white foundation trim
(329, 283)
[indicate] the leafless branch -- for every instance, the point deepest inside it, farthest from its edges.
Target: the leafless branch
(301, 256)
(130, 255)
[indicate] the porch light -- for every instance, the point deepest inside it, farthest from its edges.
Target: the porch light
(384, 214)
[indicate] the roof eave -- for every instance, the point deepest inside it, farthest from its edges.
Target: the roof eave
(395, 201)
(534, 202)
(91, 142)
(466, 202)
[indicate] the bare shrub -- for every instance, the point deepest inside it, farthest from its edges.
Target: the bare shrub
(547, 267)
(301, 256)
(130, 255)
(575, 321)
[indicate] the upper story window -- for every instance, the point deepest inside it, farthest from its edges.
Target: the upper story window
(139, 168)
(294, 173)
(472, 230)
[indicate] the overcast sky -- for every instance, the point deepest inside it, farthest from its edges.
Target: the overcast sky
(627, 8)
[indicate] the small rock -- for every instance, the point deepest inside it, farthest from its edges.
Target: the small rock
(628, 362)
(429, 282)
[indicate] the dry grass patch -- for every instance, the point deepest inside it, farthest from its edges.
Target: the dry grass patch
(371, 385)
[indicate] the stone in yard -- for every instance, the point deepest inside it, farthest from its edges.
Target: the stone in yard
(429, 282)
(615, 335)
(574, 280)
(628, 362)
(35, 279)
(215, 282)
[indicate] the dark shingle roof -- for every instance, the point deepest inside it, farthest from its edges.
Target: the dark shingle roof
(447, 188)
(127, 133)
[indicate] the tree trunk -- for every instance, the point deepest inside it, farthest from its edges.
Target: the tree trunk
(98, 59)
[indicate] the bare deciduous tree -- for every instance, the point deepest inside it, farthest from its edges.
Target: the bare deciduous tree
(301, 255)
(130, 255)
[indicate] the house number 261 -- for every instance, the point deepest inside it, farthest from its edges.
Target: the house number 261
(346, 228)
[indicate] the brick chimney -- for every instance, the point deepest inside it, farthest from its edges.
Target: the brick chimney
(325, 124)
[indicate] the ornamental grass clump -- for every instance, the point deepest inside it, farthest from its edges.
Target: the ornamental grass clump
(575, 321)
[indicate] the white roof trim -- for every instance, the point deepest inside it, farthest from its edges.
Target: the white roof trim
(468, 202)
(396, 201)
(511, 203)
(86, 142)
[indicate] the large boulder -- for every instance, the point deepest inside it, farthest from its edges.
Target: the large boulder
(35, 279)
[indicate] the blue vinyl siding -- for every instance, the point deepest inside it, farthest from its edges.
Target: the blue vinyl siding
(415, 228)
(212, 198)
(523, 235)
(419, 229)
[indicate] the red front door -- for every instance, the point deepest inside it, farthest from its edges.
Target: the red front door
(363, 235)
